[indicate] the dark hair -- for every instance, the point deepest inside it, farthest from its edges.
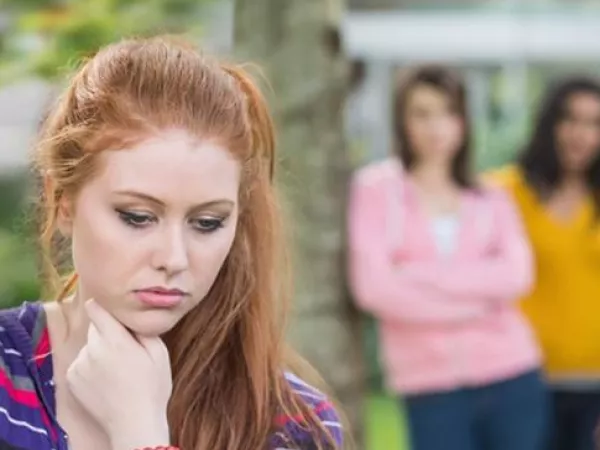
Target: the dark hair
(450, 83)
(539, 160)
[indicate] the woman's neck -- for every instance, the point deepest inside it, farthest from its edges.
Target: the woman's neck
(433, 177)
(436, 191)
(572, 183)
(566, 200)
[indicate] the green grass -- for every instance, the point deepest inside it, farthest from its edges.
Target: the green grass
(385, 427)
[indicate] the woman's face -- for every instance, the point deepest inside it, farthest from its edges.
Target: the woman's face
(578, 132)
(434, 128)
(152, 230)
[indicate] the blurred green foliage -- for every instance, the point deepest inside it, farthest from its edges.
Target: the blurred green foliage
(18, 268)
(18, 274)
(47, 36)
(13, 190)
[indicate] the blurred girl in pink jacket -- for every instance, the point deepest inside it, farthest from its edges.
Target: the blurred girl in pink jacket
(440, 262)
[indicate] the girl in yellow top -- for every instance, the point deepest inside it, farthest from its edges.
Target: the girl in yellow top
(556, 184)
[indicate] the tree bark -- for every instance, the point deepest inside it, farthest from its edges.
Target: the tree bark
(293, 42)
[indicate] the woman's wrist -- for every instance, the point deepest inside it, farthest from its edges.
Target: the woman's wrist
(142, 435)
(143, 443)
(160, 447)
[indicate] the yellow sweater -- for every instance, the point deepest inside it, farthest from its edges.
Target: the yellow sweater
(564, 306)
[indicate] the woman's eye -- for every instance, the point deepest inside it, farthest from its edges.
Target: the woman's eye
(207, 224)
(136, 220)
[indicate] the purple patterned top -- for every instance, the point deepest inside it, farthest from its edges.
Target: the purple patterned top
(27, 398)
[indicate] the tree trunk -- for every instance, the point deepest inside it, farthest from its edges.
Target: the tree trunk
(293, 42)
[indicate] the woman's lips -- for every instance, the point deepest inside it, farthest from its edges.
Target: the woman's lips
(160, 297)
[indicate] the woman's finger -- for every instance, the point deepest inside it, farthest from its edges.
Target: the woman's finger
(107, 326)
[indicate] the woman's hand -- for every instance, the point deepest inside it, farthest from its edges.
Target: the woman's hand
(123, 381)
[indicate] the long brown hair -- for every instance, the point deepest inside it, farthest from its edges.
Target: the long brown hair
(227, 354)
(452, 85)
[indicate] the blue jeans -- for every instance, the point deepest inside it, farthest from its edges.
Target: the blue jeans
(508, 415)
(576, 419)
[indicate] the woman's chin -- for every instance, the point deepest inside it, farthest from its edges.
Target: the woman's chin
(151, 323)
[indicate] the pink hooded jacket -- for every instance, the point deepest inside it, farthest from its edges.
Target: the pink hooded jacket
(443, 323)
